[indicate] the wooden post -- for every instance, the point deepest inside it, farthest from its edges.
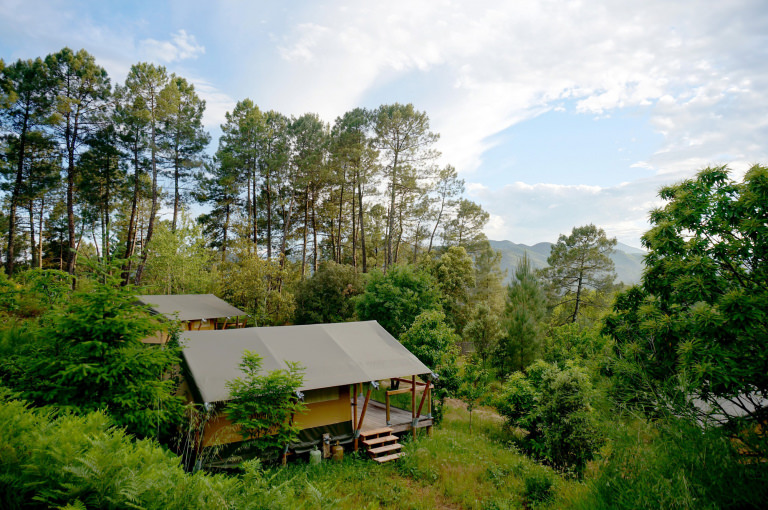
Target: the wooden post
(388, 420)
(423, 398)
(365, 408)
(413, 404)
(354, 411)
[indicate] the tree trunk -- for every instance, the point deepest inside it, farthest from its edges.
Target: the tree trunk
(362, 225)
(253, 212)
(341, 210)
(11, 252)
(176, 194)
(130, 245)
(153, 209)
(314, 234)
(354, 228)
(40, 234)
(306, 223)
(224, 239)
(32, 243)
(391, 218)
(269, 217)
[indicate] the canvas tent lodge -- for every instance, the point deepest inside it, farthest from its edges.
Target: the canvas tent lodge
(340, 361)
(196, 312)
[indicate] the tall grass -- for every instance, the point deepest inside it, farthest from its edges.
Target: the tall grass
(451, 469)
(675, 464)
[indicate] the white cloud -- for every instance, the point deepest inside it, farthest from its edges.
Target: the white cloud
(531, 213)
(181, 46)
(698, 69)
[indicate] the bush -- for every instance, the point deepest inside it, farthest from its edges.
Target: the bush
(554, 407)
(436, 345)
(328, 295)
(397, 297)
(48, 461)
(89, 356)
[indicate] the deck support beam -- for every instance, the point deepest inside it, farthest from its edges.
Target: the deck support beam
(359, 426)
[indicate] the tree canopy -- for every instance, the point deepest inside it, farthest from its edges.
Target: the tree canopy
(580, 263)
(698, 323)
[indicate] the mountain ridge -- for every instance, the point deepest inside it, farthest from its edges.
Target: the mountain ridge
(628, 259)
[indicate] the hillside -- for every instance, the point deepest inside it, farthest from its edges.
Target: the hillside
(628, 260)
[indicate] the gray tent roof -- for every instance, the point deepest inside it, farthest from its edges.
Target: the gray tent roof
(332, 355)
(187, 307)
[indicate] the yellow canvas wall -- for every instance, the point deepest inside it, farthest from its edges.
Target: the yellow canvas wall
(221, 431)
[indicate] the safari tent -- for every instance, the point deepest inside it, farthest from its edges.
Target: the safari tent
(196, 312)
(341, 362)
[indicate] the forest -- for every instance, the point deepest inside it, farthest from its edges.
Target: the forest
(561, 389)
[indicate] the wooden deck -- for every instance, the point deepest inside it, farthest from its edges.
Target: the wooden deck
(401, 421)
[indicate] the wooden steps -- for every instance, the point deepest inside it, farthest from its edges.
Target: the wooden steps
(379, 440)
(388, 458)
(381, 444)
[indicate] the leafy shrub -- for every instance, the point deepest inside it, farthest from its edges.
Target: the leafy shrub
(83, 461)
(436, 345)
(263, 406)
(397, 297)
(89, 356)
(328, 295)
(553, 407)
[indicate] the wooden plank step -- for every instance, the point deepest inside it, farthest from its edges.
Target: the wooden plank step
(385, 449)
(388, 458)
(375, 432)
(379, 440)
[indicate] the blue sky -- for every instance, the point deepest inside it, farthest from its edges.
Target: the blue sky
(556, 113)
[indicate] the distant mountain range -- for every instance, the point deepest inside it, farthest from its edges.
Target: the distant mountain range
(628, 260)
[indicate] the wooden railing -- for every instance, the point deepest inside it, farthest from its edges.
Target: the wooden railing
(426, 396)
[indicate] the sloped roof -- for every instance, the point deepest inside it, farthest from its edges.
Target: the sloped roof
(187, 307)
(332, 355)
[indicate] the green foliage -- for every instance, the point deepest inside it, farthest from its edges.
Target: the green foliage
(83, 462)
(574, 343)
(179, 262)
(436, 345)
(525, 311)
(466, 229)
(554, 408)
(474, 387)
(397, 297)
(700, 317)
(263, 406)
(489, 289)
(539, 486)
(258, 287)
(675, 464)
(89, 356)
(580, 270)
(454, 272)
(484, 330)
(328, 295)
(9, 293)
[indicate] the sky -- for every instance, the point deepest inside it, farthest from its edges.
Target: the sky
(556, 113)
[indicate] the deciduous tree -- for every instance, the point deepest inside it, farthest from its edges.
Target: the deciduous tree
(698, 322)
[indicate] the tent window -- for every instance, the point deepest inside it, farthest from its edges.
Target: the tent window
(321, 395)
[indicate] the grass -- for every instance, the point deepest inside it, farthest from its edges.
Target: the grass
(451, 469)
